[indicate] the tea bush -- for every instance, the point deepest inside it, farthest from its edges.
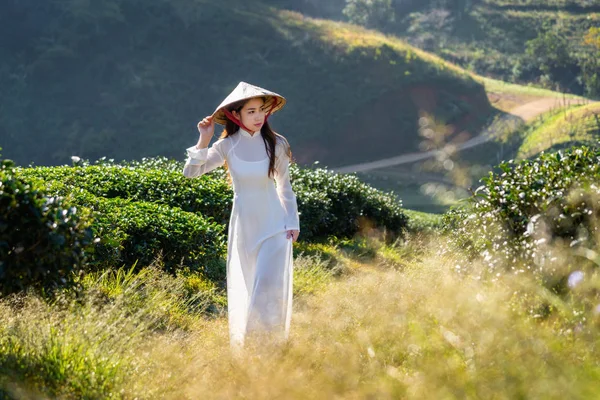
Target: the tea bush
(142, 210)
(341, 205)
(43, 238)
(208, 195)
(137, 232)
(330, 204)
(553, 199)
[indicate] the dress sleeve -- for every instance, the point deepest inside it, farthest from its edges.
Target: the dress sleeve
(202, 161)
(287, 196)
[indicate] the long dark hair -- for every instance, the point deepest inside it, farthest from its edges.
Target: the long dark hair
(269, 137)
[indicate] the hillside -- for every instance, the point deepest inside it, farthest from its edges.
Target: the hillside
(535, 120)
(550, 43)
(126, 81)
(561, 129)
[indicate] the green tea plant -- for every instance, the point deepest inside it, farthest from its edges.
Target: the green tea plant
(147, 209)
(329, 203)
(342, 205)
(43, 238)
(529, 205)
(149, 181)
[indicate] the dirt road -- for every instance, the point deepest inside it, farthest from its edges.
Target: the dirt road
(523, 113)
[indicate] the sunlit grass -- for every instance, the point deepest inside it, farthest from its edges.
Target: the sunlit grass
(347, 37)
(577, 124)
(497, 86)
(411, 323)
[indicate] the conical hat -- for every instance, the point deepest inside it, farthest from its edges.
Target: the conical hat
(245, 91)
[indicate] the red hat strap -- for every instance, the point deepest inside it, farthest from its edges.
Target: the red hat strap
(239, 123)
(275, 103)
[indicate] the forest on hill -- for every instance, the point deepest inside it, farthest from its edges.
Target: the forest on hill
(126, 79)
(550, 43)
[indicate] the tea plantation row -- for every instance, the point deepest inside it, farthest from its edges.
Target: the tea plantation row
(58, 220)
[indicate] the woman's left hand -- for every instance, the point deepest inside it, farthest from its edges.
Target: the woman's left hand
(293, 234)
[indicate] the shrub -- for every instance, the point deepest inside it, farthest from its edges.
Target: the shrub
(154, 181)
(369, 13)
(143, 209)
(42, 238)
(136, 232)
(329, 203)
(519, 211)
(341, 205)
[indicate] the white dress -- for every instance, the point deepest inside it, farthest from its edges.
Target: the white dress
(259, 256)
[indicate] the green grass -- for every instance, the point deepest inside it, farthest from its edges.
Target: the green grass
(576, 125)
(421, 221)
(498, 86)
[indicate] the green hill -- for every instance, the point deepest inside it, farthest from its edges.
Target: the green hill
(560, 129)
(551, 43)
(126, 79)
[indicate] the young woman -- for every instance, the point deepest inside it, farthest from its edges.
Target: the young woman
(264, 220)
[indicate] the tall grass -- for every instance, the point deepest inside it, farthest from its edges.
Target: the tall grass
(435, 326)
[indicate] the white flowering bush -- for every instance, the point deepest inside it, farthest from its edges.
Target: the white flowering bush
(530, 209)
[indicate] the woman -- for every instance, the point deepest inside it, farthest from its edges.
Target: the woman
(264, 220)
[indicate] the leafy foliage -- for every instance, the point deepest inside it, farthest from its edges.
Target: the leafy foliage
(341, 205)
(137, 232)
(527, 206)
(147, 181)
(369, 13)
(147, 208)
(42, 238)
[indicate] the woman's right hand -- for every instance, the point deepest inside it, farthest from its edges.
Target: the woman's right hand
(206, 127)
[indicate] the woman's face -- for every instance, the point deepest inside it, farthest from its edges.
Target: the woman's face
(252, 114)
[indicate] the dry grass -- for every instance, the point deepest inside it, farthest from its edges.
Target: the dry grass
(415, 325)
(427, 332)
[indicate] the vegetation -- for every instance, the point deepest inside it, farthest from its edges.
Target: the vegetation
(532, 210)
(340, 205)
(43, 238)
(142, 211)
(369, 13)
(394, 326)
(498, 298)
(561, 129)
(525, 307)
(552, 44)
(91, 80)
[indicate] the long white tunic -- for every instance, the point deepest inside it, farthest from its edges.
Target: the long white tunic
(259, 256)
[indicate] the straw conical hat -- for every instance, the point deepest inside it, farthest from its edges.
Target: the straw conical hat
(245, 91)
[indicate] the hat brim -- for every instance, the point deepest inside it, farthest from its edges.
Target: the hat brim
(246, 91)
(220, 118)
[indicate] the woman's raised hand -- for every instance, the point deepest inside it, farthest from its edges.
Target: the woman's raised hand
(206, 127)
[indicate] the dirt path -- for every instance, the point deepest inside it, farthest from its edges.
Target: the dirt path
(525, 112)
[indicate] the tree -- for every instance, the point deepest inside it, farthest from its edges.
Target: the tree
(551, 54)
(369, 13)
(590, 62)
